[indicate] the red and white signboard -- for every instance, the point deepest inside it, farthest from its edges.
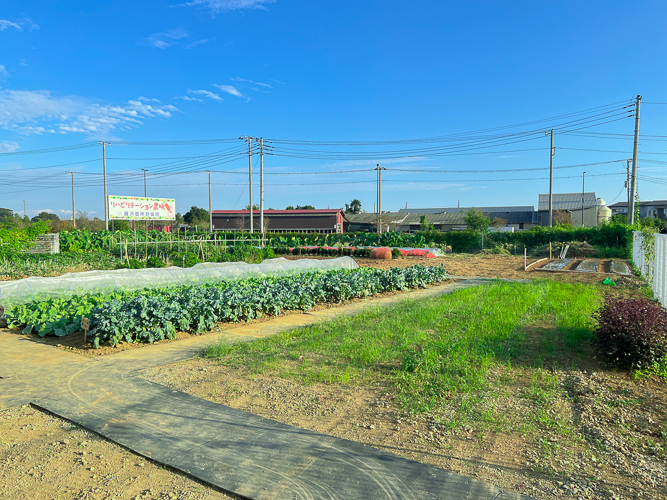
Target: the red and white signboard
(136, 208)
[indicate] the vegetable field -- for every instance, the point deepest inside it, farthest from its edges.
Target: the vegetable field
(150, 315)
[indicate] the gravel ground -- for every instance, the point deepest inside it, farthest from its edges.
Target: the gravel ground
(600, 435)
(45, 458)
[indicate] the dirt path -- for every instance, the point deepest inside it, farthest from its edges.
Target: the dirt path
(43, 457)
(492, 266)
(611, 453)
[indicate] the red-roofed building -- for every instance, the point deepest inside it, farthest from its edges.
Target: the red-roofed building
(281, 221)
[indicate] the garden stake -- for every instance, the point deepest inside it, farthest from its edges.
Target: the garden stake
(85, 325)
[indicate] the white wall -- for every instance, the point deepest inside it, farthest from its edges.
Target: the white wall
(653, 269)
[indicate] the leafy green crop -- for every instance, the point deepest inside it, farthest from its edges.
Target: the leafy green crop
(155, 314)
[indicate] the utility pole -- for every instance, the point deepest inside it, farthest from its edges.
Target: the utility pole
(73, 211)
(24, 209)
(627, 185)
(379, 197)
(261, 186)
(249, 139)
(583, 194)
(552, 152)
(145, 195)
(106, 199)
(210, 203)
(633, 188)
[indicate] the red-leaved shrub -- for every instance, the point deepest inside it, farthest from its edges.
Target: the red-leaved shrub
(631, 333)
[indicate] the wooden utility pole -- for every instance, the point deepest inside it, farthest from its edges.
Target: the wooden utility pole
(551, 178)
(145, 195)
(249, 139)
(261, 187)
(633, 180)
(627, 185)
(106, 199)
(73, 210)
(210, 203)
(379, 198)
(583, 194)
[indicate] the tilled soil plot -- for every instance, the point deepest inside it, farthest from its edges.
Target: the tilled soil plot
(491, 266)
(45, 458)
(601, 438)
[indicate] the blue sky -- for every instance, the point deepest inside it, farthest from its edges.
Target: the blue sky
(139, 72)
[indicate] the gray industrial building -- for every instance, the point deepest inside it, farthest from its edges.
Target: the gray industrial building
(572, 202)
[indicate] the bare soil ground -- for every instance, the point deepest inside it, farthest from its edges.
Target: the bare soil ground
(603, 437)
(492, 266)
(45, 458)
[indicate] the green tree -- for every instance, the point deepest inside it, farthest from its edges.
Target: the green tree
(563, 217)
(195, 215)
(289, 207)
(476, 221)
(45, 216)
(5, 213)
(354, 207)
(300, 207)
(498, 222)
(426, 226)
(254, 207)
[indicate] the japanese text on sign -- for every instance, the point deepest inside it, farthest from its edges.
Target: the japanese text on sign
(136, 208)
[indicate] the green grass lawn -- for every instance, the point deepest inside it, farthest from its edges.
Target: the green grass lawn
(465, 346)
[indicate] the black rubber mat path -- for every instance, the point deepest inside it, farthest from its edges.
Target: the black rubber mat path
(234, 450)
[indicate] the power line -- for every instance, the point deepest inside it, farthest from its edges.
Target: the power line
(53, 166)
(52, 150)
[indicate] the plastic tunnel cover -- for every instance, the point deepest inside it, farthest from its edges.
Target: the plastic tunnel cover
(36, 288)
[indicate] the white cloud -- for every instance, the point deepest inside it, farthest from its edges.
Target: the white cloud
(206, 93)
(147, 99)
(3, 71)
(218, 6)
(8, 147)
(19, 24)
(239, 79)
(229, 89)
(39, 111)
(188, 98)
(196, 43)
(166, 39)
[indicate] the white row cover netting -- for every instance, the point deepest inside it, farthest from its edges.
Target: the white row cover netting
(35, 288)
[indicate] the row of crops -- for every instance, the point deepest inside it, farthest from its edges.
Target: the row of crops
(610, 235)
(144, 241)
(150, 315)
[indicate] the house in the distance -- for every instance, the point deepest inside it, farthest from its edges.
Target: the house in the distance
(281, 221)
(656, 209)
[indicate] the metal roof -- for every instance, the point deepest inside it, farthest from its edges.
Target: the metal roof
(624, 204)
(455, 210)
(525, 217)
(318, 211)
(566, 201)
(372, 218)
